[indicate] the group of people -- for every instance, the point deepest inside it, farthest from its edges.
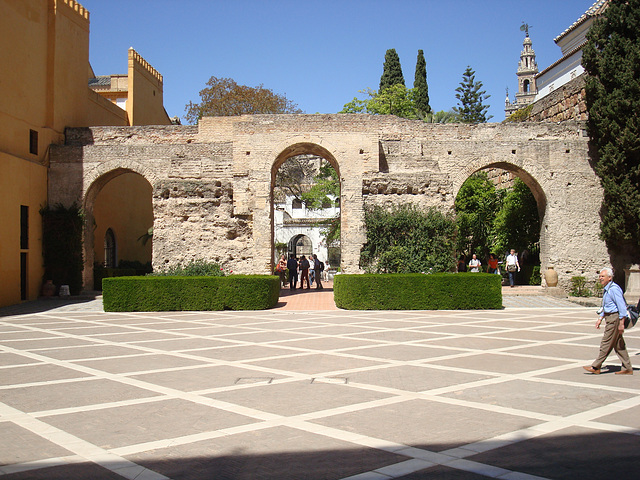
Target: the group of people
(511, 264)
(307, 270)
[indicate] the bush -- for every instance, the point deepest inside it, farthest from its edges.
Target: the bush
(406, 239)
(195, 268)
(535, 278)
(164, 293)
(579, 287)
(126, 268)
(443, 291)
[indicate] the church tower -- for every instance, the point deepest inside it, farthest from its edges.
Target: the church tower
(527, 71)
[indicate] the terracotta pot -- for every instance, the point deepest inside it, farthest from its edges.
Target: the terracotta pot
(48, 288)
(551, 277)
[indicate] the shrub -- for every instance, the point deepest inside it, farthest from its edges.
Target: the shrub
(443, 291)
(579, 287)
(195, 268)
(408, 240)
(164, 293)
(535, 278)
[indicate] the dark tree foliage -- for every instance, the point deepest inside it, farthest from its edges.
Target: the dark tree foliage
(477, 204)
(517, 224)
(392, 71)
(62, 245)
(470, 96)
(612, 59)
(224, 97)
(408, 240)
(421, 89)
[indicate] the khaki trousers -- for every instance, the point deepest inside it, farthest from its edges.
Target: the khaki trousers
(612, 340)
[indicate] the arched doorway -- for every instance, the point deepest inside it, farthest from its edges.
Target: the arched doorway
(305, 214)
(498, 208)
(119, 211)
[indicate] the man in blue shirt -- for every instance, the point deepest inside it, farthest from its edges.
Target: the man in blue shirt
(614, 311)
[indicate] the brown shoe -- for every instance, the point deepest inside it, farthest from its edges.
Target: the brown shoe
(625, 372)
(590, 369)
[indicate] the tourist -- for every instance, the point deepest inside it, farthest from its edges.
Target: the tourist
(292, 265)
(462, 264)
(281, 269)
(474, 264)
(493, 264)
(613, 312)
(304, 271)
(512, 266)
(317, 272)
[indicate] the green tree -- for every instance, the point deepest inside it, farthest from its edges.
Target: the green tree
(420, 87)
(396, 100)
(408, 240)
(611, 57)
(517, 224)
(441, 117)
(224, 97)
(477, 205)
(392, 71)
(471, 108)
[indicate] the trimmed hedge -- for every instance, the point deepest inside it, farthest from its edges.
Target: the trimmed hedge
(415, 291)
(160, 294)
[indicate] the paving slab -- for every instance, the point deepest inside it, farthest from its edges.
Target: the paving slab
(313, 394)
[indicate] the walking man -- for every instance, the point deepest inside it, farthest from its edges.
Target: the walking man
(513, 266)
(614, 313)
(292, 265)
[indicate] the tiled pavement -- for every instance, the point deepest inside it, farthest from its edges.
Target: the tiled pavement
(314, 394)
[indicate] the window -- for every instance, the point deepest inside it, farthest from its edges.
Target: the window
(23, 276)
(109, 249)
(296, 203)
(24, 227)
(33, 142)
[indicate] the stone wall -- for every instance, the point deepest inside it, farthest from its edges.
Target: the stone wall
(566, 103)
(212, 184)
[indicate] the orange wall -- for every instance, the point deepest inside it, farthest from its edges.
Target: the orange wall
(27, 185)
(124, 205)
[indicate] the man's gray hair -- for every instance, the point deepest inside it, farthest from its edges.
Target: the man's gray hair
(608, 270)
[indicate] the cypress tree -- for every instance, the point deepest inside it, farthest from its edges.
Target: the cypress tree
(470, 108)
(392, 71)
(420, 86)
(611, 59)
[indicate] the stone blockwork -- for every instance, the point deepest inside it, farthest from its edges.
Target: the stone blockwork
(212, 184)
(566, 103)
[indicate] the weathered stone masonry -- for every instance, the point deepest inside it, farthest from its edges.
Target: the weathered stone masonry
(212, 184)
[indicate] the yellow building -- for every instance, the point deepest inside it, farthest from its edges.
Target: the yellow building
(47, 84)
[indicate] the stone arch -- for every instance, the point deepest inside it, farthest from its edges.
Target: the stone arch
(292, 148)
(523, 174)
(95, 181)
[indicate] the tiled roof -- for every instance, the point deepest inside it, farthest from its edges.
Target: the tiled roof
(100, 81)
(595, 10)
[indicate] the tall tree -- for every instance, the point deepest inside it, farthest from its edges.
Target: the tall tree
(611, 57)
(395, 100)
(470, 96)
(517, 224)
(392, 71)
(224, 97)
(420, 87)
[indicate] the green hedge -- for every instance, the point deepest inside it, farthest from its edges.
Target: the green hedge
(415, 291)
(159, 294)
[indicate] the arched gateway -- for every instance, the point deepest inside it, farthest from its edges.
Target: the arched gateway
(213, 183)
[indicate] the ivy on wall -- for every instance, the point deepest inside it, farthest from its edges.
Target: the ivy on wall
(62, 245)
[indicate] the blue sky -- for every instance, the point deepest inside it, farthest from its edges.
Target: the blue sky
(321, 53)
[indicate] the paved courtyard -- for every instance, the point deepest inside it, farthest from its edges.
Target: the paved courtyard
(316, 394)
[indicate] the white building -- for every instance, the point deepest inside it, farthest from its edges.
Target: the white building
(571, 42)
(301, 230)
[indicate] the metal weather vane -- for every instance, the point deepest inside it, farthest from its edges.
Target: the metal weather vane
(525, 28)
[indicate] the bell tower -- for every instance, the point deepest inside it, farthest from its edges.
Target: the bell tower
(527, 71)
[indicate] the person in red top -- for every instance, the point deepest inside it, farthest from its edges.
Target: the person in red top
(493, 264)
